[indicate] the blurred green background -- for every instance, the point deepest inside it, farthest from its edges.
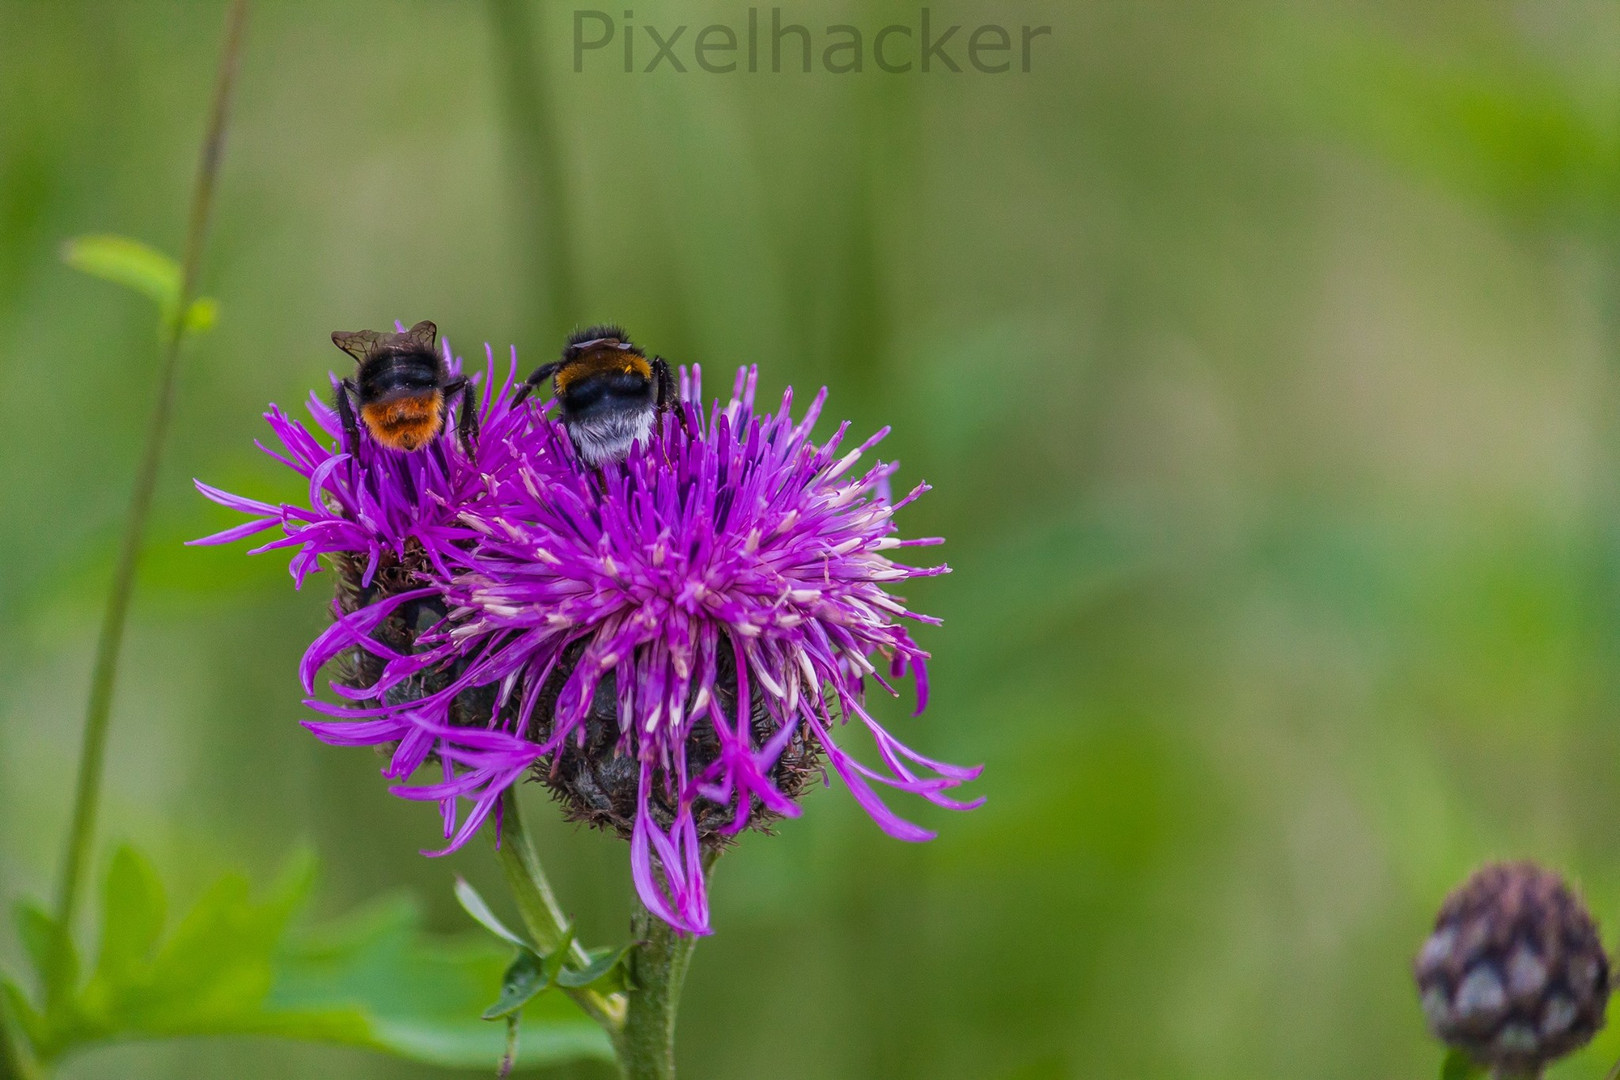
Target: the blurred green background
(1264, 360)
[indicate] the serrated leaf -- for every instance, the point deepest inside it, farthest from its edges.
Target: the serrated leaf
(217, 966)
(144, 269)
(525, 977)
(474, 905)
(232, 967)
(1459, 1066)
(132, 917)
(604, 971)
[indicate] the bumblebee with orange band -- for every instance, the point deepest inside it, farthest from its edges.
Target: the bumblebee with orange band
(402, 389)
(608, 391)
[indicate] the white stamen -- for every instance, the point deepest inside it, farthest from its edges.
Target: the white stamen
(843, 464)
(770, 684)
(809, 672)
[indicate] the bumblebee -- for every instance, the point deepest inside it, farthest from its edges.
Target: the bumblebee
(608, 391)
(402, 389)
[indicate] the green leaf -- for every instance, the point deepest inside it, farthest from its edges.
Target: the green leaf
(132, 917)
(51, 951)
(233, 966)
(218, 966)
(605, 971)
(1494, 125)
(474, 905)
(129, 263)
(29, 1019)
(559, 956)
(144, 269)
(525, 977)
(1459, 1066)
(421, 996)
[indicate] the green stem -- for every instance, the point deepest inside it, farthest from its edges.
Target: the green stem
(536, 166)
(104, 672)
(542, 915)
(658, 965)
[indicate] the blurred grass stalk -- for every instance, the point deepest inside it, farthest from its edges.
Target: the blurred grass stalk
(15, 1064)
(104, 673)
(534, 165)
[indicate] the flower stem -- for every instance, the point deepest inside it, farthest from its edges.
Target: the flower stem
(647, 1047)
(104, 672)
(541, 914)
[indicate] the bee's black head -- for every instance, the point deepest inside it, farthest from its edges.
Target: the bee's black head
(594, 338)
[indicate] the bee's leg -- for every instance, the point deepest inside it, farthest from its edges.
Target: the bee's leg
(541, 374)
(345, 408)
(467, 418)
(664, 384)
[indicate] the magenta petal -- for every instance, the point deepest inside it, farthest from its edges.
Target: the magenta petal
(239, 532)
(235, 502)
(357, 732)
(348, 631)
(850, 773)
(728, 532)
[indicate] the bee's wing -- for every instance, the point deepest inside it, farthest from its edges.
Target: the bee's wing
(424, 334)
(357, 343)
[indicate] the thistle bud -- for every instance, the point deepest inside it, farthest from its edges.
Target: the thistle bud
(1514, 974)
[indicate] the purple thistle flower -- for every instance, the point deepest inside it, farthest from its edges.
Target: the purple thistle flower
(377, 502)
(667, 642)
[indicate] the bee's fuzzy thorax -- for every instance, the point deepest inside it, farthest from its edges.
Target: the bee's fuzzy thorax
(599, 362)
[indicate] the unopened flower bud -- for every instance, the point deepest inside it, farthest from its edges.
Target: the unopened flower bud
(1514, 974)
